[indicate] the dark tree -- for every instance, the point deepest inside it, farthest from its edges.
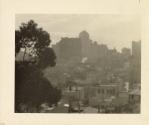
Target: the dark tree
(18, 43)
(31, 39)
(47, 58)
(31, 87)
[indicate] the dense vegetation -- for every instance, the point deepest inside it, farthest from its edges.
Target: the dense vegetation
(31, 87)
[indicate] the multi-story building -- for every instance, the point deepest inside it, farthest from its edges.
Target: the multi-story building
(102, 93)
(136, 63)
(79, 48)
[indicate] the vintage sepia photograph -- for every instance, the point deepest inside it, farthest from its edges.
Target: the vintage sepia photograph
(78, 63)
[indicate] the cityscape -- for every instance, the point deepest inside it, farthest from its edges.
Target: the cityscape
(74, 75)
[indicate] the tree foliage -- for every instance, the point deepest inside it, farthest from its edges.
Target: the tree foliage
(31, 38)
(31, 87)
(47, 58)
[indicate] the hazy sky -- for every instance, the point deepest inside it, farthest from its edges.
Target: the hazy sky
(114, 30)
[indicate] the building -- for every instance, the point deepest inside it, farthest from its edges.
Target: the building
(78, 48)
(68, 49)
(135, 100)
(136, 63)
(85, 43)
(134, 96)
(126, 54)
(102, 93)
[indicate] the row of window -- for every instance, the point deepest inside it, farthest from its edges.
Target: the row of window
(106, 91)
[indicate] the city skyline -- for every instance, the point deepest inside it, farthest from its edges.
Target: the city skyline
(76, 75)
(117, 31)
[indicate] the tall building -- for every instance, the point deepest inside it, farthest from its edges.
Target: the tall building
(136, 62)
(74, 48)
(85, 43)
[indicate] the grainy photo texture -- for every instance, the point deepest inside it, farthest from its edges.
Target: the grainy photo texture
(77, 63)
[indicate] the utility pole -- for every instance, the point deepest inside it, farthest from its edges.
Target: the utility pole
(78, 92)
(69, 108)
(70, 89)
(79, 101)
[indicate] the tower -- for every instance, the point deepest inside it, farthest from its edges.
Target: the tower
(85, 43)
(136, 62)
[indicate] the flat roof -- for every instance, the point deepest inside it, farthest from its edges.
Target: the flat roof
(135, 92)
